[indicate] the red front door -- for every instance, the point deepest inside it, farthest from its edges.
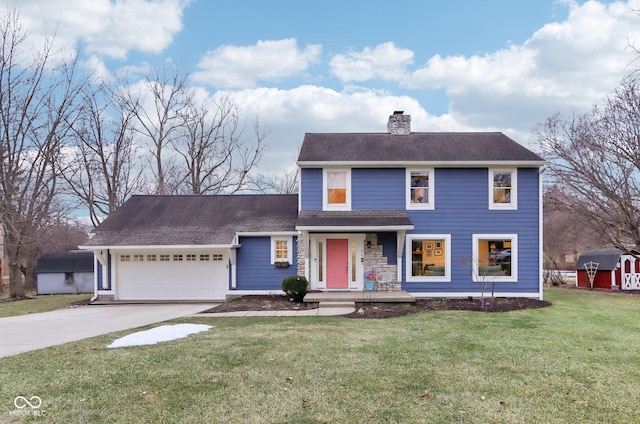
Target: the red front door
(337, 263)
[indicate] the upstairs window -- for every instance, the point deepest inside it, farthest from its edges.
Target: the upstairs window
(503, 189)
(337, 189)
(420, 189)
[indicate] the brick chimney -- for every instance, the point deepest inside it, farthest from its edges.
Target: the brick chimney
(399, 124)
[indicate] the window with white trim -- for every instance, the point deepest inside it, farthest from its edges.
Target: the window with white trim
(336, 189)
(138, 258)
(191, 257)
(204, 257)
(152, 258)
(281, 250)
(420, 188)
(495, 257)
(216, 257)
(503, 189)
(177, 257)
(165, 258)
(428, 257)
(125, 258)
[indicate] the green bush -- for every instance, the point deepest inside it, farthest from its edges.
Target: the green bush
(295, 287)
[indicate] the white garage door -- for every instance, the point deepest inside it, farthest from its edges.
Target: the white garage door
(189, 275)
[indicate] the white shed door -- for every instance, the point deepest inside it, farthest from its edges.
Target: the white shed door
(172, 276)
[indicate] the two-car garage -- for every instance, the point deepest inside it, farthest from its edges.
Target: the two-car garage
(182, 275)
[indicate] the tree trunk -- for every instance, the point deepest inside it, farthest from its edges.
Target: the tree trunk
(29, 271)
(16, 285)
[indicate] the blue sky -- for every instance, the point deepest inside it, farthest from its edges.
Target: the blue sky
(343, 66)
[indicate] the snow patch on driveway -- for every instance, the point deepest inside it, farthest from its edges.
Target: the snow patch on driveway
(155, 335)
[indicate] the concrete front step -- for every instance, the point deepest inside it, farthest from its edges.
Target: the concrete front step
(351, 305)
(398, 296)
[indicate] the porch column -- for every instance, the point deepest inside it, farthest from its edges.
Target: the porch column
(306, 243)
(399, 253)
(232, 264)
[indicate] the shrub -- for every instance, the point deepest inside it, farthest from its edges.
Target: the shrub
(295, 287)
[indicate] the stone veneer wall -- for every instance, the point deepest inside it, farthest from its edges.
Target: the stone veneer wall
(300, 242)
(373, 259)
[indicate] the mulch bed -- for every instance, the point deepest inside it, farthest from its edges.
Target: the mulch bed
(259, 303)
(390, 310)
(382, 310)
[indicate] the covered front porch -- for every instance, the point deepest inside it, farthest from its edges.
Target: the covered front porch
(346, 251)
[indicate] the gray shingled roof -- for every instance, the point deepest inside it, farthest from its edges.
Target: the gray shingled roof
(362, 219)
(65, 262)
(606, 259)
(194, 220)
(417, 146)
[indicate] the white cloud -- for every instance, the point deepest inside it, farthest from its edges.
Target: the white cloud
(243, 66)
(385, 61)
(97, 69)
(103, 27)
(568, 65)
(292, 113)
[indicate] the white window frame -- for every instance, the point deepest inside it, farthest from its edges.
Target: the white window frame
(513, 205)
(514, 258)
(325, 195)
(289, 241)
(446, 278)
(430, 205)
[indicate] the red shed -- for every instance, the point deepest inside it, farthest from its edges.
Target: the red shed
(613, 269)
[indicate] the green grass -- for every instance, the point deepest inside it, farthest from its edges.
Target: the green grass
(38, 303)
(576, 361)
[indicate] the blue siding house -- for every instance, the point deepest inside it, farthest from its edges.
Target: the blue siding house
(443, 214)
(433, 214)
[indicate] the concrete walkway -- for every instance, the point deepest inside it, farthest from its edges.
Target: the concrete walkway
(25, 333)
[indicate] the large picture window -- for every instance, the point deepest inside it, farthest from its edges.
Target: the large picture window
(420, 189)
(495, 257)
(337, 189)
(503, 189)
(428, 257)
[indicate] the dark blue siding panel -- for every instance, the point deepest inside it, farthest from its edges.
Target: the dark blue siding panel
(254, 270)
(311, 188)
(389, 243)
(373, 189)
(462, 209)
(109, 259)
(99, 275)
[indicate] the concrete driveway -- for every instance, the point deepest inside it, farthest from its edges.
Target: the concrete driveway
(36, 331)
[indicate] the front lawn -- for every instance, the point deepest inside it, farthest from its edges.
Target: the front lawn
(38, 303)
(576, 361)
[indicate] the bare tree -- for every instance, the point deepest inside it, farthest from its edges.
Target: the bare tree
(158, 107)
(38, 101)
(285, 183)
(595, 159)
(216, 157)
(564, 236)
(104, 168)
(64, 232)
(483, 274)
